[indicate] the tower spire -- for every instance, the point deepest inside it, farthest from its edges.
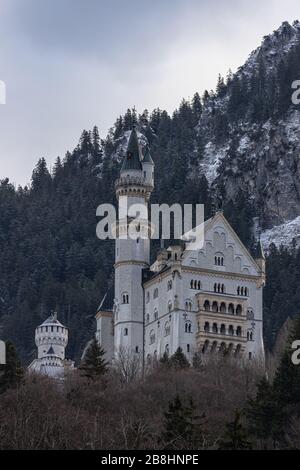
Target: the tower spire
(132, 160)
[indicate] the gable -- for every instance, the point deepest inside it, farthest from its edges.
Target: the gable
(222, 250)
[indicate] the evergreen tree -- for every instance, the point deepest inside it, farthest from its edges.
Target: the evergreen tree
(94, 365)
(11, 373)
(182, 426)
(235, 437)
(178, 360)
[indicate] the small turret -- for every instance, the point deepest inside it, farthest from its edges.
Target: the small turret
(260, 257)
(148, 168)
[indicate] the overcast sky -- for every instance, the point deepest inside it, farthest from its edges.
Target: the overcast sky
(71, 64)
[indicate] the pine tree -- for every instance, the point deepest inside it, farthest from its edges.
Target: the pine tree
(165, 360)
(178, 360)
(235, 437)
(11, 373)
(265, 414)
(94, 364)
(182, 426)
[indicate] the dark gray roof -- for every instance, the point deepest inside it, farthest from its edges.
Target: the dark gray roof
(147, 156)
(132, 159)
(259, 251)
(51, 351)
(107, 301)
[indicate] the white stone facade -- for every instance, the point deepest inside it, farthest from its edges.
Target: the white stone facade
(202, 300)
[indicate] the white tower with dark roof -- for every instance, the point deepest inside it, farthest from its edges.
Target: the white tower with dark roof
(51, 339)
(132, 254)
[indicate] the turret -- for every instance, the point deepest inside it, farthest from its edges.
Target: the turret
(51, 339)
(132, 253)
(260, 257)
(148, 168)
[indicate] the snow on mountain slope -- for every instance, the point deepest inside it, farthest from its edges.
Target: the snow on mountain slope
(285, 234)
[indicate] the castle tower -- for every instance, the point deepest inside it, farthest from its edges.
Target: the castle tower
(132, 254)
(51, 339)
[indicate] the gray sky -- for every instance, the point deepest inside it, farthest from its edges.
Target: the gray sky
(71, 64)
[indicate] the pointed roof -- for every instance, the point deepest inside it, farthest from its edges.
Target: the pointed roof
(147, 156)
(259, 251)
(107, 301)
(50, 351)
(52, 320)
(132, 160)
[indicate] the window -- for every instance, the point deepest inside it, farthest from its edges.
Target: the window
(223, 329)
(167, 328)
(169, 306)
(188, 327)
(155, 293)
(148, 297)
(167, 349)
(206, 305)
(188, 348)
(215, 328)
(125, 331)
(169, 285)
(147, 318)
(206, 327)
(239, 331)
(238, 310)
(195, 284)
(155, 314)
(125, 298)
(152, 337)
(188, 305)
(219, 260)
(136, 349)
(250, 355)
(231, 330)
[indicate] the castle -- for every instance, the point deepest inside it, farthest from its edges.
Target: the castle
(205, 300)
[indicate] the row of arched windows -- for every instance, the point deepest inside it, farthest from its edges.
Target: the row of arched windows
(221, 348)
(155, 292)
(195, 284)
(222, 308)
(221, 329)
(243, 291)
(220, 288)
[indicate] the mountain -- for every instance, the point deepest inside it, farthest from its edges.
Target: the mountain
(239, 143)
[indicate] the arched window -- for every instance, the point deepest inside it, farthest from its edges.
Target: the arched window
(195, 284)
(169, 306)
(155, 293)
(192, 284)
(219, 288)
(223, 329)
(188, 305)
(167, 349)
(215, 307)
(206, 305)
(188, 348)
(199, 285)
(242, 291)
(251, 336)
(205, 346)
(125, 331)
(188, 327)
(155, 314)
(246, 291)
(215, 287)
(238, 290)
(238, 310)
(231, 309)
(223, 289)
(231, 330)
(215, 328)
(239, 331)
(167, 328)
(152, 337)
(206, 327)
(125, 298)
(223, 307)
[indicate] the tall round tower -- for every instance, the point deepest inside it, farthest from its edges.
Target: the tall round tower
(51, 339)
(133, 190)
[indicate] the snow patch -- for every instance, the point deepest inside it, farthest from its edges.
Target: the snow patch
(284, 234)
